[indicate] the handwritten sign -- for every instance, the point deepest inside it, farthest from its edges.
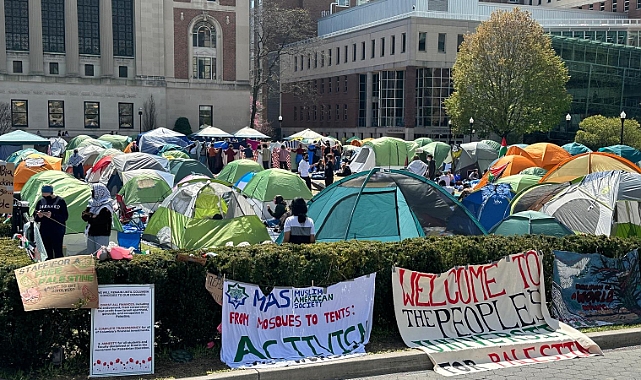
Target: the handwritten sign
(59, 283)
(295, 324)
(483, 317)
(214, 285)
(6, 187)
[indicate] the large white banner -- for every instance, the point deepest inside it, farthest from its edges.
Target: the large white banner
(483, 317)
(295, 325)
(122, 331)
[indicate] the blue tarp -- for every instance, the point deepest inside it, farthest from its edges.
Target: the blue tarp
(153, 141)
(490, 204)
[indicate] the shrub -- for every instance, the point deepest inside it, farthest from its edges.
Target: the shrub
(187, 316)
(182, 126)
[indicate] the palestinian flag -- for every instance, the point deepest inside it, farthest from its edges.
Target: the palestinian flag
(503, 148)
(496, 172)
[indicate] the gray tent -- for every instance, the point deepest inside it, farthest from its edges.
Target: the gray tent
(475, 155)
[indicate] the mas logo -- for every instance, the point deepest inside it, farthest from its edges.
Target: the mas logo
(236, 295)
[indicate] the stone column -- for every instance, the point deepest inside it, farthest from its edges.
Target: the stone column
(71, 38)
(3, 42)
(106, 39)
(35, 38)
(369, 88)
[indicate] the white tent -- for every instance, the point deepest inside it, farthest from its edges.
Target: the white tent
(306, 135)
(250, 133)
(212, 132)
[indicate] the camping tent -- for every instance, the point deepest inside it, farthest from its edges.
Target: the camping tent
(268, 183)
(32, 164)
(152, 141)
(204, 215)
(475, 155)
(586, 163)
(539, 172)
(250, 133)
(388, 152)
(130, 174)
(531, 223)
(57, 146)
(145, 191)
(16, 140)
(546, 155)
(441, 152)
(533, 198)
(112, 174)
(403, 205)
(89, 154)
(496, 146)
(604, 203)
(117, 141)
(627, 152)
(244, 180)
(575, 148)
(18, 156)
(86, 143)
(234, 170)
(182, 167)
(520, 182)
(512, 165)
(489, 204)
(422, 141)
(173, 154)
(195, 178)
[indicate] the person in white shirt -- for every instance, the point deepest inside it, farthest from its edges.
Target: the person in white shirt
(303, 171)
(417, 166)
(299, 229)
(447, 177)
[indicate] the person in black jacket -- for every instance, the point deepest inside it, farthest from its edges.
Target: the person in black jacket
(281, 209)
(52, 214)
(329, 170)
(98, 217)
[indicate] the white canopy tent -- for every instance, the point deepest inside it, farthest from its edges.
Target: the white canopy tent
(250, 133)
(212, 132)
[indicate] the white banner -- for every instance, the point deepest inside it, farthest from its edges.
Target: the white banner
(295, 325)
(484, 317)
(122, 331)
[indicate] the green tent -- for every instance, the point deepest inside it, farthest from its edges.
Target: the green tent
(422, 141)
(349, 140)
(182, 167)
(171, 154)
(520, 182)
(441, 152)
(271, 182)
(19, 156)
(204, 215)
(117, 141)
(145, 191)
(172, 147)
(234, 170)
(496, 146)
(74, 142)
(76, 193)
(85, 143)
(388, 152)
(531, 223)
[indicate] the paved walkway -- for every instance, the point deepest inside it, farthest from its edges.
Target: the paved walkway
(624, 363)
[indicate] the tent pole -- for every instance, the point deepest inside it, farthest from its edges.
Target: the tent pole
(358, 197)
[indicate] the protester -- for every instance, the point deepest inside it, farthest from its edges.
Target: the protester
(327, 149)
(211, 156)
(52, 214)
(474, 175)
(281, 209)
(329, 170)
(75, 161)
(344, 171)
(311, 153)
(447, 178)
(446, 187)
(230, 153)
(249, 153)
(267, 155)
(134, 147)
(98, 216)
(283, 153)
(417, 166)
(303, 171)
(431, 166)
(300, 151)
(218, 161)
(298, 228)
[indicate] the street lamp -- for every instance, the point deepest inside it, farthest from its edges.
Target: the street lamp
(280, 127)
(622, 116)
(471, 128)
(449, 137)
(140, 117)
(568, 119)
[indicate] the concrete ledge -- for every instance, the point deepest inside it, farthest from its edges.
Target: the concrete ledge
(609, 340)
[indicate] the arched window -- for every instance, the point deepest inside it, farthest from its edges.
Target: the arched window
(204, 35)
(204, 51)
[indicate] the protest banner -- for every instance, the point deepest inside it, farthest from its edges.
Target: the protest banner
(6, 187)
(214, 285)
(483, 317)
(594, 290)
(68, 282)
(122, 331)
(295, 325)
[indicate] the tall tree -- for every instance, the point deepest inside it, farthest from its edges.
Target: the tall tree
(508, 78)
(599, 131)
(149, 114)
(274, 28)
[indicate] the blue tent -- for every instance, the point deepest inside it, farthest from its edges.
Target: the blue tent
(244, 180)
(388, 205)
(153, 141)
(574, 148)
(490, 204)
(625, 151)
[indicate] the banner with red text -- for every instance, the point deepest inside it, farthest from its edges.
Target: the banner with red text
(295, 325)
(483, 317)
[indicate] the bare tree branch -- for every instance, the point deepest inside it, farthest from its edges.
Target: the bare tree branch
(5, 117)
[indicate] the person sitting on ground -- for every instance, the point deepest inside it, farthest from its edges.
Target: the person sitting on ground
(281, 208)
(467, 190)
(444, 185)
(474, 175)
(345, 170)
(298, 228)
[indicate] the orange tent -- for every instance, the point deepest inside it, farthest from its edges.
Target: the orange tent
(34, 163)
(515, 164)
(128, 147)
(516, 151)
(586, 163)
(546, 155)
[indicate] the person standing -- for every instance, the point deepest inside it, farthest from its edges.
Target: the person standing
(329, 170)
(303, 171)
(98, 216)
(230, 153)
(249, 153)
(298, 228)
(267, 155)
(218, 161)
(52, 214)
(211, 156)
(134, 147)
(431, 167)
(75, 161)
(282, 157)
(311, 152)
(300, 151)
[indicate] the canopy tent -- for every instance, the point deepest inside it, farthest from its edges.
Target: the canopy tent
(629, 153)
(475, 155)
(32, 164)
(586, 163)
(604, 203)
(117, 141)
(575, 148)
(495, 145)
(441, 152)
(269, 183)
(520, 182)
(204, 215)
(250, 133)
(212, 132)
(531, 223)
(533, 198)
(151, 142)
(17, 156)
(22, 138)
(490, 204)
(540, 172)
(512, 165)
(145, 191)
(182, 167)
(388, 152)
(306, 134)
(175, 154)
(57, 146)
(403, 204)
(234, 170)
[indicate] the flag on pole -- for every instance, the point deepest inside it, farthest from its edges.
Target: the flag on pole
(496, 172)
(503, 148)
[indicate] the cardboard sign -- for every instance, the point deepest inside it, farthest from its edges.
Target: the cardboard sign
(295, 325)
(214, 285)
(484, 317)
(6, 187)
(122, 331)
(67, 283)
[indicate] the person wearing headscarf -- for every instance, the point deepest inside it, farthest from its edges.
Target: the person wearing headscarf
(52, 214)
(98, 217)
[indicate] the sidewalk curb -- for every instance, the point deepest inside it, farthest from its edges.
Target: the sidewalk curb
(388, 363)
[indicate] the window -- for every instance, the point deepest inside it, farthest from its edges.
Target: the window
(302, 63)
(602, 6)
(309, 61)
(322, 112)
(89, 70)
(315, 59)
(54, 68)
(295, 113)
(19, 113)
(329, 112)
(329, 85)
(56, 110)
(403, 42)
(459, 41)
(614, 5)
(345, 83)
(363, 51)
(344, 111)
(345, 54)
(204, 50)
(53, 26)
(338, 84)
(373, 48)
(88, 27)
(422, 41)
(205, 115)
(307, 110)
(382, 47)
(123, 27)
(338, 112)
(329, 57)
(638, 4)
(123, 72)
(315, 113)
(322, 85)
(92, 115)
(16, 21)
(296, 63)
(433, 86)
(17, 67)
(393, 46)
(441, 42)
(301, 112)
(338, 56)
(125, 115)
(354, 51)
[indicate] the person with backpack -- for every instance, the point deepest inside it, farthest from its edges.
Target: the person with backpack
(298, 228)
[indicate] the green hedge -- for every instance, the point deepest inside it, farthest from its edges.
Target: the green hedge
(187, 316)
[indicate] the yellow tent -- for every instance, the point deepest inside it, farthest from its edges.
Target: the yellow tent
(586, 163)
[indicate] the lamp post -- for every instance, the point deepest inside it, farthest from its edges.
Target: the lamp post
(568, 119)
(622, 116)
(449, 124)
(280, 127)
(471, 128)
(140, 118)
